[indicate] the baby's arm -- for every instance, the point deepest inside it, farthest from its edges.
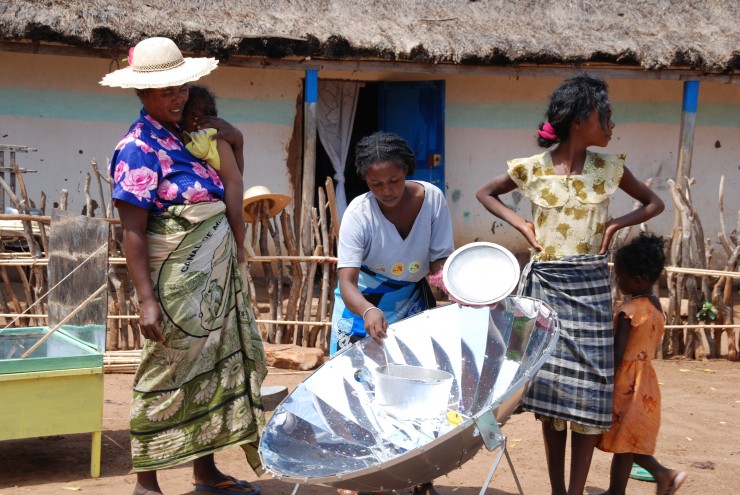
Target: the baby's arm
(489, 194)
(233, 195)
(621, 336)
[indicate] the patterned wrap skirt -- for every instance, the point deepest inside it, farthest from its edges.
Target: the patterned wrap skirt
(197, 392)
(577, 382)
(396, 299)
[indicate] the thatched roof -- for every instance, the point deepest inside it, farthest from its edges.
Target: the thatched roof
(698, 34)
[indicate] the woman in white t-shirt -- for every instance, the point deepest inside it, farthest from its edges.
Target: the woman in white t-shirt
(391, 238)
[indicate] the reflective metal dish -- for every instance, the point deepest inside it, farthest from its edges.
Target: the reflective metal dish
(480, 273)
(332, 430)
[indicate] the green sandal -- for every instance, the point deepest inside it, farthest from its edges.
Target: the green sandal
(638, 473)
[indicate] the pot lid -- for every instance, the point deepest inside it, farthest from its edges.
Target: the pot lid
(481, 273)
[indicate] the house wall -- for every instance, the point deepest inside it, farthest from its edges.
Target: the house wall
(54, 104)
(490, 119)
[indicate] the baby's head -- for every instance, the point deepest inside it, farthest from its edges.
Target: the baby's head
(638, 265)
(201, 103)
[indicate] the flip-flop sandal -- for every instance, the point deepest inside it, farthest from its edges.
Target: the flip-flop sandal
(240, 483)
(229, 486)
(638, 473)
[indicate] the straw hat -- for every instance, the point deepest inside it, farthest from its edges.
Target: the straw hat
(158, 63)
(252, 196)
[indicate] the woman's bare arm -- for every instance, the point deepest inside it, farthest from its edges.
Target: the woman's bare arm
(134, 221)
(233, 196)
(489, 194)
(375, 322)
(652, 205)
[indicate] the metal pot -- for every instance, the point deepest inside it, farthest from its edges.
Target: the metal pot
(412, 392)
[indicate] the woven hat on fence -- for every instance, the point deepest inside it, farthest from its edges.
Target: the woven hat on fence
(275, 203)
(158, 63)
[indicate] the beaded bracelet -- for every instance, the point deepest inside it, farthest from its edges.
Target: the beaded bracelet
(368, 309)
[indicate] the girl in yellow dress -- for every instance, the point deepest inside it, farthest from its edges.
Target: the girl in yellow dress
(569, 187)
(638, 325)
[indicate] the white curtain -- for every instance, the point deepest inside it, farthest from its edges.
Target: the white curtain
(336, 115)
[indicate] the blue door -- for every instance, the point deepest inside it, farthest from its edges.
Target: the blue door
(415, 111)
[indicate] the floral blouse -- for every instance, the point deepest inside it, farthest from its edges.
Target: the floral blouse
(569, 211)
(152, 169)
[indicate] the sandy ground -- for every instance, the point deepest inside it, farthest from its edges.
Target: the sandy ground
(701, 406)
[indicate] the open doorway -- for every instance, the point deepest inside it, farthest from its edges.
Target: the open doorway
(414, 110)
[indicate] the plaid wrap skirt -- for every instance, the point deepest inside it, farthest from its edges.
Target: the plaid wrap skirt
(577, 382)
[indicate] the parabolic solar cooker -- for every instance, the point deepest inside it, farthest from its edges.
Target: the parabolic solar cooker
(422, 404)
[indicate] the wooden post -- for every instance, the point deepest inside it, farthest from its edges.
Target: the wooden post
(685, 143)
(308, 186)
(688, 124)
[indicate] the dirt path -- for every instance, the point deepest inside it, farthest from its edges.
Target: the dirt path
(701, 404)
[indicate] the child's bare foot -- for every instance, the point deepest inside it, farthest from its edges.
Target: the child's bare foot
(670, 484)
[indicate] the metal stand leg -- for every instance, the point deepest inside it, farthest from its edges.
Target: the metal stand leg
(493, 467)
(295, 489)
(493, 438)
(513, 472)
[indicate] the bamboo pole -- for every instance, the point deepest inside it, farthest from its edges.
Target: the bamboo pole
(262, 213)
(325, 268)
(308, 186)
(317, 259)
(296, 272)
(333, 211)
(278, 296)
(65, 320)
(42, 226)
(98, 178)
(296, 322)
(33, 247)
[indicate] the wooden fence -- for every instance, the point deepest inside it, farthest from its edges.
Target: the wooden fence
(308, 274)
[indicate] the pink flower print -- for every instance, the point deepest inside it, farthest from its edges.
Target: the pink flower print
(196, 194)
(139, 182)
(121, 168)
(143, 146)
(165, 161)
(167, 190)
(214, 177)
(200, 170)
(158, 204)
(169, 143)
(156, 124)
(136, 131)
(123, 142)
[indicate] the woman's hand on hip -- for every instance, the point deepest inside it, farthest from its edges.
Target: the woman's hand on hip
(150, 320)
(610, 229)
(528, 232)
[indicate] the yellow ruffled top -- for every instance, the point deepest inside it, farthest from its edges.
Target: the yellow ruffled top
(569, 211)
(202, 146)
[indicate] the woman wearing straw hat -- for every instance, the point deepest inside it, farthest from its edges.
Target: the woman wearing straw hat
(197, 389)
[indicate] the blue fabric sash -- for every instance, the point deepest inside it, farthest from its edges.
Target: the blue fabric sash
(397, 300)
